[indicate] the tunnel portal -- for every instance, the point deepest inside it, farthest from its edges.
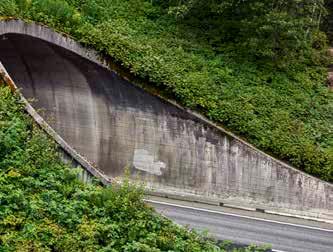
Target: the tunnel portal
(115, 124)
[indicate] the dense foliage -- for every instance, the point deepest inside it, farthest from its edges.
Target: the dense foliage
(44, 207)
(328, 23)
(271, 31)
(257, 67)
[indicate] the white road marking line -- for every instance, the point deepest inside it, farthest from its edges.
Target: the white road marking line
(237, 215)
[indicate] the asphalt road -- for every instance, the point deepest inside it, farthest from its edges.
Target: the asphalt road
(245, 229)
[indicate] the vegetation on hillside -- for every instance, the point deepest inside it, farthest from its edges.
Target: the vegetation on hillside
(257, 67)
(44, 207)
(328, 23)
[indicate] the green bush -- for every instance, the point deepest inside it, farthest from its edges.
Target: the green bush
(8, 8)
(279, 104)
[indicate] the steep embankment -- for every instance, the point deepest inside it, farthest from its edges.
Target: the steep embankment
(286, 111)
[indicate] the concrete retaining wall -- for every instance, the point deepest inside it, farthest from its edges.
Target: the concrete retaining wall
(114, 124)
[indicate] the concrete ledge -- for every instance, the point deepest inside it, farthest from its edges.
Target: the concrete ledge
(238, 205)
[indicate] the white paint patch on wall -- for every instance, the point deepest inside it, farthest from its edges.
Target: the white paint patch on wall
(144, 161)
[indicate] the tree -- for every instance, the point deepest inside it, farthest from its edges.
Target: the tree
(328, 24)
(265, 29)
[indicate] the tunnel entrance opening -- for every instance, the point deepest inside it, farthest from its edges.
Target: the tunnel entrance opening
(82, 101)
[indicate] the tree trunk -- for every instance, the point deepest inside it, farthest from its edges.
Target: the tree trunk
(329, 21)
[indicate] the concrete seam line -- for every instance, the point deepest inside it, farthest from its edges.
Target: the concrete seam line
(237, 215)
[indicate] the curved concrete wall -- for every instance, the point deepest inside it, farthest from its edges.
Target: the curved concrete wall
(116, 124)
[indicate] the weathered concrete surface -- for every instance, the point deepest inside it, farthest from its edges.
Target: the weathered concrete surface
(115, 124)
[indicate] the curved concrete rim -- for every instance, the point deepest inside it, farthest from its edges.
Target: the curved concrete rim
(47, 34)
